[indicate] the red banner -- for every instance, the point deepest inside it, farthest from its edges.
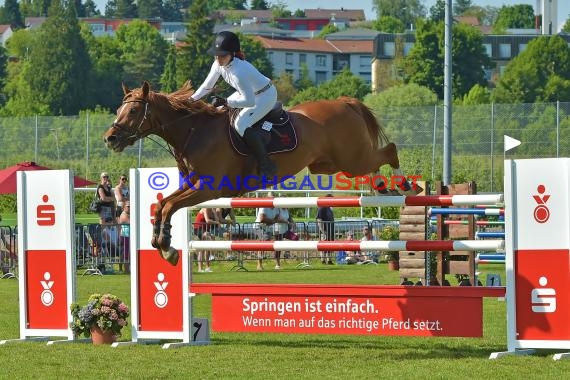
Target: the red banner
(395, 310)
(542, 294)
(46, 288)
(160, 293)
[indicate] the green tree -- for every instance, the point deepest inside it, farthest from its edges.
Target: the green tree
(148, 9)
(227, 4)
(389, 24)
(394, 108)
(279, 9)
(460, 6)
(54, 74)
(143, 52)
(537, 73)
(259, 5)
(90, 9)
(121, 9)
(519, 16)
(327, 29)
(193, 61)
(437, 11)
(304, 80)
(285, 87)
(424, 64)
(477, 95)
(108, 72)
(172, 10)
(11, 15)
(566, 27)
(485, 15)
(35, 8)
(406, 11)
(168, 78)
(343, 84)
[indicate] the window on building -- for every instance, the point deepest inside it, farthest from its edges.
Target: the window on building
(522, 47)
(365, 76)
(504, 50)
(320, 76)
(365, 62)
(389, 49)
(321, 60)
(302, 58)
(289, 58)
(270, 56)
(488, 49)
(407, 47)
(301, 27)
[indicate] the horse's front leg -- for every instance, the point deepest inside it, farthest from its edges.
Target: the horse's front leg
(158, 219)
(171, 204)
(400, 182)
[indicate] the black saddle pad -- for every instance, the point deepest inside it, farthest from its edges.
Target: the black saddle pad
(279, 137)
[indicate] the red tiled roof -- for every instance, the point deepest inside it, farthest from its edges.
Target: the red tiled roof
(4, 28)
(316, 45)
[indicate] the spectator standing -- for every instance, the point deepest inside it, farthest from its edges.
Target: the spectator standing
(368, 236)
(121, 193)
(266, 217)
(105, 194)
(124, 236)
(325, 222)
(283, 222)
(227, 217)
(206, 221)
(204, 256)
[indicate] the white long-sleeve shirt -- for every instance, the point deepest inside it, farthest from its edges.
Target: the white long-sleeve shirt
(239, 74)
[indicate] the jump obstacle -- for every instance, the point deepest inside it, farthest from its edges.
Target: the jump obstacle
(537, 222)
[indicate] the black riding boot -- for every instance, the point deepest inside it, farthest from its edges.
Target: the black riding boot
(266, 167)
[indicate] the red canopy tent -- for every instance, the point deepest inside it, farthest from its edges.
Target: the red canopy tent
(8, 177)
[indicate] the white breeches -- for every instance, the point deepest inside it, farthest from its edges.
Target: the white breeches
(264, 102)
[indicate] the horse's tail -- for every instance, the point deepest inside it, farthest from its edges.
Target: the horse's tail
(377, 133)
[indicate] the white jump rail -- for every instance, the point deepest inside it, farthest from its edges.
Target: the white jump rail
(355, 201)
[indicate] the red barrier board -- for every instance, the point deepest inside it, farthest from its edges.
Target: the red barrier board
(542, 294)
(160, 293)
(357, 310)
(46, 288)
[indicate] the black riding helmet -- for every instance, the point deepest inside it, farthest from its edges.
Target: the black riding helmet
(226, 43)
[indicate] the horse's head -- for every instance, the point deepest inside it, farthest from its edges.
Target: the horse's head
(132, 121)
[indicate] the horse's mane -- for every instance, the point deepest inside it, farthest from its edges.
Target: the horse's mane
(179, 100)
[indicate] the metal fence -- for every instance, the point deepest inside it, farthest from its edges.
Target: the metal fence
(105, 249)
(477, 138)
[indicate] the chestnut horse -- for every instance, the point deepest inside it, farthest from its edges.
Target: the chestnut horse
(333, 136)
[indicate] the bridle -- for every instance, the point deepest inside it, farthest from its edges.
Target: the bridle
(139, 133)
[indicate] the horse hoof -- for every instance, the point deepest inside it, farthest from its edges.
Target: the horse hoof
(407, 189)
(171, 255)
(154, 242)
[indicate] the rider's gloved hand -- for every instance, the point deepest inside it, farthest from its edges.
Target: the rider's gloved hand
(219, 102)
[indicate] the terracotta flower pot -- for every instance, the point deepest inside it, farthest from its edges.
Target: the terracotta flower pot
(99, 336)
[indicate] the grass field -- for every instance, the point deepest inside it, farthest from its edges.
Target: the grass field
(273, 356)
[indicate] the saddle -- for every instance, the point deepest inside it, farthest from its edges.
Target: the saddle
(276, 129)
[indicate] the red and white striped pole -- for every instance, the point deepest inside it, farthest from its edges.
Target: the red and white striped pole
(355, 201)
(382, 245)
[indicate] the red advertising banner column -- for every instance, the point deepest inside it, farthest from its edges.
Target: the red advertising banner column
(45, 247)
(161, 307)
(537, 254)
